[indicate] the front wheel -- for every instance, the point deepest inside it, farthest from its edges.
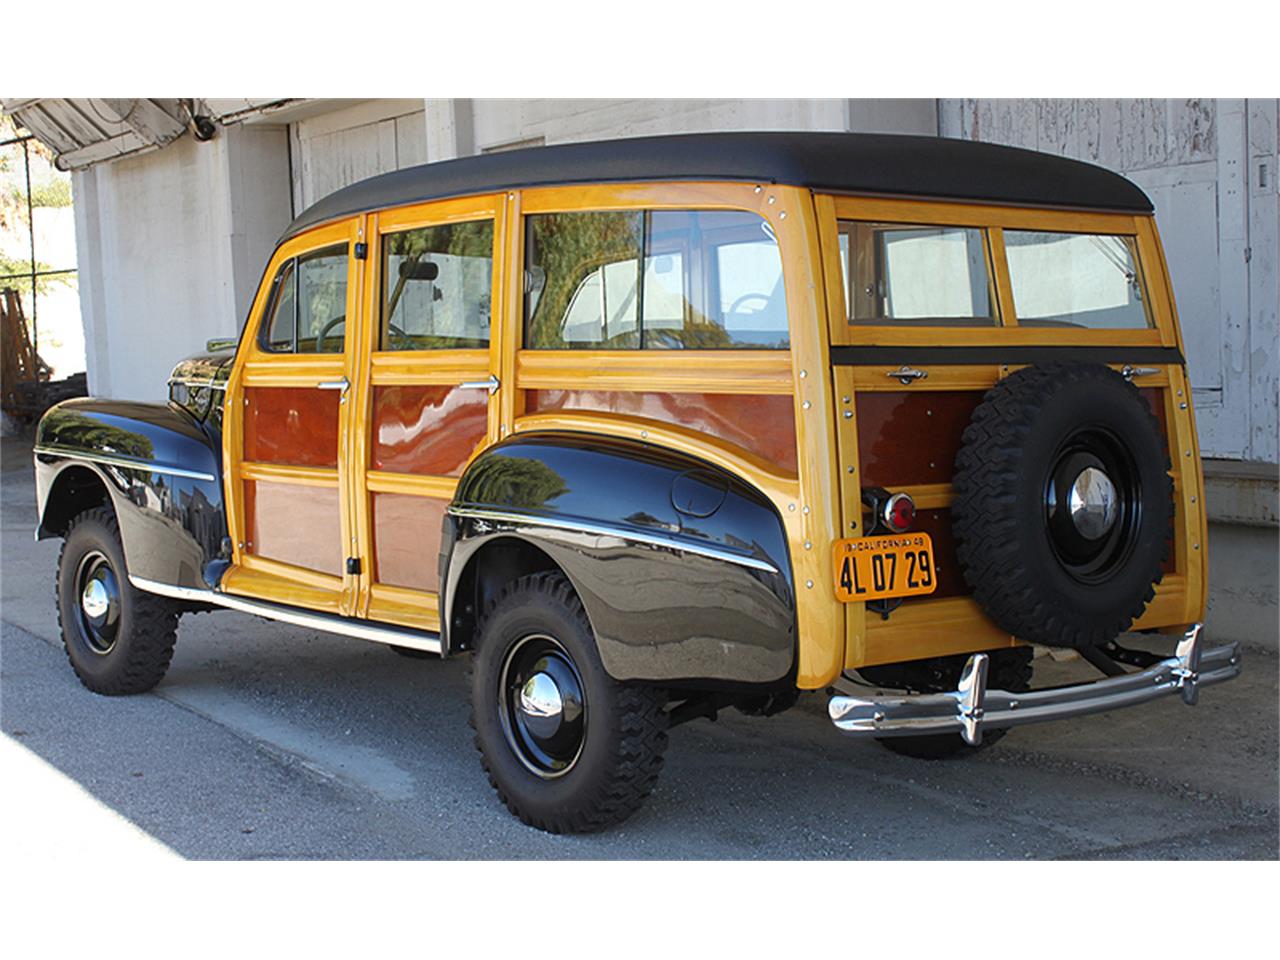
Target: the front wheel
(118, 638)
(568, 748)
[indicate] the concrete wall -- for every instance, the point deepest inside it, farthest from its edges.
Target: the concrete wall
(171, 246)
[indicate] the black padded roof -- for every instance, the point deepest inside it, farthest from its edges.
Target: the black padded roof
(884, 164)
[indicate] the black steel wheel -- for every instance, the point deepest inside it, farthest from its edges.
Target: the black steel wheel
(118, 639)
(1063, 510)
(544, 708)
(568, 748)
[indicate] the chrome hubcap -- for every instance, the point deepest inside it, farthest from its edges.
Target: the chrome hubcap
(1092, 503)
(94, 600)
(543, 706)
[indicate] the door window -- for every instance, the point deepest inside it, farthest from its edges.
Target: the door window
(436, 285)
(308, 308)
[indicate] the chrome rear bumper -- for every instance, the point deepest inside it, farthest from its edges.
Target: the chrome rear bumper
(971, 708)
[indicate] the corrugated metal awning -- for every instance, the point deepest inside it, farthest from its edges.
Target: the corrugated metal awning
(85, 131)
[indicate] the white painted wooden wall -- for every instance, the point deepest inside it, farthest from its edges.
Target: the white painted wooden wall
(1209, 167)
(340, 147)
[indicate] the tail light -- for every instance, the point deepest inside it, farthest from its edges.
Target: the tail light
(899, 512)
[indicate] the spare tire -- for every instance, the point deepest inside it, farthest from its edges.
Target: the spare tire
(1063, 508)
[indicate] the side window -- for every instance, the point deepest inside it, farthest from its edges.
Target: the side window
(653, 280)
(1075, 280)
(436, 284)
(308, 308)
(920, 275)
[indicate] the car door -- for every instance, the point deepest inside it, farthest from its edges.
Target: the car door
(427, 394)
(288, 426)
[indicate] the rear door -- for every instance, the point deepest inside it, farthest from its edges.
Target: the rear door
(931, 304)
(428, 392)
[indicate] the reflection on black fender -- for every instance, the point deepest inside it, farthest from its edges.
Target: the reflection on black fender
(671, 596)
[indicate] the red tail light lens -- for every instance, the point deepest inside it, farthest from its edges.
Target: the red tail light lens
(899, 512)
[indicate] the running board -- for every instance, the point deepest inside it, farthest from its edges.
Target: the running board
(361, 629)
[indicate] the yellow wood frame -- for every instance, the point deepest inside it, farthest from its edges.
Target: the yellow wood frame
(819, 502)
(927, 628)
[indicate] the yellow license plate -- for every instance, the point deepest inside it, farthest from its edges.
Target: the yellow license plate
(874, 568)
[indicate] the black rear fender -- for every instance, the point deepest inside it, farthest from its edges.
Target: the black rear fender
(698, 592)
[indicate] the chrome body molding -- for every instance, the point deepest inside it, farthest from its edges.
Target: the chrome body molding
(199, 384)
(361, 629)
(128, 463)
(622, 533)
(971, 708)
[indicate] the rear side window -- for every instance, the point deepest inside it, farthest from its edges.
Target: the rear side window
(436, 286)
(899, 274)
(653, 280)
(308, 309)
(1075, 280)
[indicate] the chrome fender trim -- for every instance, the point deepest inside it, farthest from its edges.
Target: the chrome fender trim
(361, 629)
(677, 544)
(972, 707)
(128, 463)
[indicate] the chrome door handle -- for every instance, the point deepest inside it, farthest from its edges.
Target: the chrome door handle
(334, 385)
(1129, 372)
(491, 385)
(906, 374)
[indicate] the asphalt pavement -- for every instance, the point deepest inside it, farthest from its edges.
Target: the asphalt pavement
(269, 741)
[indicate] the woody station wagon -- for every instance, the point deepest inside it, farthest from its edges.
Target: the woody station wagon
(655, 427)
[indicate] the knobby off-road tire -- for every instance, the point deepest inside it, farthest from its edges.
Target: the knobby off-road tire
(127, 646)
(1063, 506)
(1006, 670)
(591, 765)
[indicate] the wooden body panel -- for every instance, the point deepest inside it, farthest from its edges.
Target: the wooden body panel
(761, 425)
(291, 425)
(427, 429)
(404, 529)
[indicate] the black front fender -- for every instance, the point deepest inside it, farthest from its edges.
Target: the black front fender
(683, 568)
(159, 467)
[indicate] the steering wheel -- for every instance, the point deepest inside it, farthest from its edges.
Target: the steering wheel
(324, 333)
(733, 307)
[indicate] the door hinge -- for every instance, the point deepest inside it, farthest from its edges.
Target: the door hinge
(362, 251)
(353, 566)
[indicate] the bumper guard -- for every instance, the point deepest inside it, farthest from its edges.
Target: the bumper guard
(972, 707)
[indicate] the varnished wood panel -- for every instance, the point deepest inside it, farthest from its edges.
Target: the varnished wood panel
(427, 429)
(762, 425)
(937, 523)
(911, 437)
(294, 524)
(406, 540)
(293, 425)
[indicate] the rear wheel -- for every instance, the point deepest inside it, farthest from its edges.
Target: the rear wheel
(119, 639)
(568, 748)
